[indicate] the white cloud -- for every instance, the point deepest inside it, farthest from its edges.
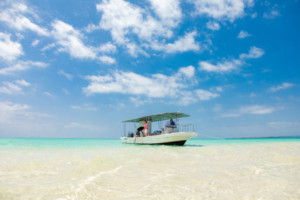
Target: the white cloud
(22, 66)
(121, 17)
(6, 106)
(91, 27)
(9, 110)
(70, 41)
(47, 47)
(243, 34)
(188, 71)
(17, 120)
(124, 19)
(283, 86)
(85, 107)
(14, 87)
(107, 48)
(169, 11)
(138, 101)
(9, 50)
(183, 44)
(35, 43)
(186, 98)
(205, 95)
(156, 85)
(220, 67)
(10, 88)
(13, 14)
(19, 36)
(254, 52)
(222, 9)
(214, 26)
(66, 75)
(231, 65)
(175, 86)
(252, 109)
(23, 83)
(107, 59)
(256, 109)
(133, 49)
(272, 13)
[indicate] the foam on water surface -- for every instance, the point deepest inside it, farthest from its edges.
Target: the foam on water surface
(63, 169)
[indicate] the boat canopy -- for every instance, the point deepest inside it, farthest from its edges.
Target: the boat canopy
(159, 117)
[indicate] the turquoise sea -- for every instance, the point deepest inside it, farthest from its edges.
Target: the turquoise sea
(62, 169)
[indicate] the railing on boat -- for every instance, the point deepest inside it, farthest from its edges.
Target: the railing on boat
(186, 128)
(179, 128)
(166, 130)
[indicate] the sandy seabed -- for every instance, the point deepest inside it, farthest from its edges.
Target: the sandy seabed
(263, 170)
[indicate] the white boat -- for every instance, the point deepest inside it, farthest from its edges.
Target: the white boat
(167, 135)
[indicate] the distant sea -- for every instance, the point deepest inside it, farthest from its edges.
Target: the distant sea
(67, 169)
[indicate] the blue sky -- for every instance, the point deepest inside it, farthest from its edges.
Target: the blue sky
(78, 68)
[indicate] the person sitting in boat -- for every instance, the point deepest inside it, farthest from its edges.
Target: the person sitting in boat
(171, 123)
(145, 130)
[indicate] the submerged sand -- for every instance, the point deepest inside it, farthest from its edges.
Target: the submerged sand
(255, 170)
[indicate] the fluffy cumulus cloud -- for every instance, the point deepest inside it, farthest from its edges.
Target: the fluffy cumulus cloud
(152, 86)
(124, 19)
(227, 66)
(188, 71)
(222, 9)
(17, 15)
(9, 50)
(121, 17)
(254, 52)
(107, 48)
(70, 41)
(183, 44)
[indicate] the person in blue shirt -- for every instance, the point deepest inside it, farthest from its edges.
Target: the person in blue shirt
(171, 123)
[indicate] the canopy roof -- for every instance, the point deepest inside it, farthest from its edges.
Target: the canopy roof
(159, 117)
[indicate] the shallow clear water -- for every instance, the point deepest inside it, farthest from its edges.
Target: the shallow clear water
(106, 169)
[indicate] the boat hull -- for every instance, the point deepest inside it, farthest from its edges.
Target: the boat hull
(178, 138)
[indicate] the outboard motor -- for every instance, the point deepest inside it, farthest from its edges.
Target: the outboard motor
(130, 134)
